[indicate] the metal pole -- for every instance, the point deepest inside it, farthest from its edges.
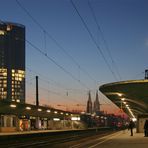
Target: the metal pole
(37, 93)
(146, 74)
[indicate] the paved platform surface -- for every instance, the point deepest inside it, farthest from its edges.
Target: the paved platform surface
(122, 139)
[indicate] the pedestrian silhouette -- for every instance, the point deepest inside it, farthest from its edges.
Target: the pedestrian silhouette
(146, 129)
(131, 126)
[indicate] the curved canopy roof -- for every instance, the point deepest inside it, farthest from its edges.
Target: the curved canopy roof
(131, 96)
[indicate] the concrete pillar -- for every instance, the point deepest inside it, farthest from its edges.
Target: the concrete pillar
(38, 123)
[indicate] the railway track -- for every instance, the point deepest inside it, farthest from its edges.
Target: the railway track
(49, 139)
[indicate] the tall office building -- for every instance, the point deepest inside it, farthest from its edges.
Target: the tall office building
(12, 62)
(89, 104)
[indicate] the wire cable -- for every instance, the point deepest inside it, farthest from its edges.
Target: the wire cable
(104, 40)
(92, 38)
(54, 40)
(57, 64)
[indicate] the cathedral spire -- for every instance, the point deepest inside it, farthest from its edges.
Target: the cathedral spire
(97, 103)
(89, 103)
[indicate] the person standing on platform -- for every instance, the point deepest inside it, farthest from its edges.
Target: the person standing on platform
(146, 129)
(131, 126)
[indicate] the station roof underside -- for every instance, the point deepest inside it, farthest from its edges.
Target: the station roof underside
(131, 94)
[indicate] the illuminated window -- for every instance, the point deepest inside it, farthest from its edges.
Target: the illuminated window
(17, 83)
(9, 27)
(5, 93)
(20, 79)
(2, 32)
(4, 74)
(3, 83)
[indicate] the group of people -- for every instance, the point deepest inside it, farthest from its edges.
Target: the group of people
(132, 125)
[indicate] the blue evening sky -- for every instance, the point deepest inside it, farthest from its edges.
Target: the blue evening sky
(124, 24)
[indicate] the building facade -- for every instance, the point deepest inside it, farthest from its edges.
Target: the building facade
(12, 62)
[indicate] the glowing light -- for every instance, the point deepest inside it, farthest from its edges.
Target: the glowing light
(119, 94)
(28, 108)
(56, 119)
(2, 32)
(48, 111)
(4, 74)
(20, 79)
(131, 112)
(13, 105)
(75, 118)
(39, 109)
(9, 27)
(124, 102)
(17, 100)
(134, 119)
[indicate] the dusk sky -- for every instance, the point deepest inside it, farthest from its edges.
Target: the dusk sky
(71, 63)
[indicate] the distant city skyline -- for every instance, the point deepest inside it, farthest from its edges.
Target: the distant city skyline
(55, 31)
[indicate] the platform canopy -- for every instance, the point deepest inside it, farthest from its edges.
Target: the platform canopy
(29, 110)
(130, 96)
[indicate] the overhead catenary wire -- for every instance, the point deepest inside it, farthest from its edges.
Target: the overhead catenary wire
(57, 64)
(51, 91)
(93, 40)
(45, 78)
(44, 40)
(49, 36)
(139, 74)
(104, 40)
(59, 94)
(29, 81)
(46, 33)
(53, 82)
